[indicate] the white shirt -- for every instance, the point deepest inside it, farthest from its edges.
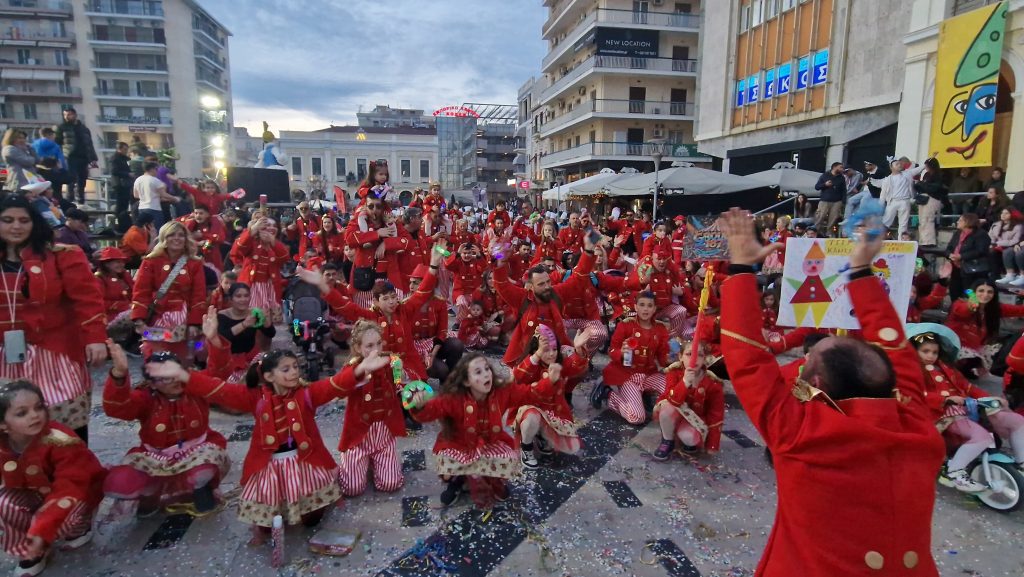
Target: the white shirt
(898, 186)
(147, 189)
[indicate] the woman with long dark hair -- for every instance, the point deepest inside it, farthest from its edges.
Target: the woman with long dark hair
(238, 325)
(967, 252)
(53, 321)
(976, 319)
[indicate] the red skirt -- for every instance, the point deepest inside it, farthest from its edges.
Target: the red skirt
(288, 487)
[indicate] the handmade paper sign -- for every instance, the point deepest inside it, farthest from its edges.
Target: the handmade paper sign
(814, 281)
(704, 239)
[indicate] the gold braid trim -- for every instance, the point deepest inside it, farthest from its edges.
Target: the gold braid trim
(745, 340)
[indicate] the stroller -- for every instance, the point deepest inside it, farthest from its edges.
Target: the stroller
(309, 326)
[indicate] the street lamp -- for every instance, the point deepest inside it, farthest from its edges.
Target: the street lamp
(656, 155)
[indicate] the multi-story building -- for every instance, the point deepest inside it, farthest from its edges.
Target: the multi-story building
(620, 82)
(476, 148)
(38, 66)
(810, 81)
(918, 85)
(152, 69)
(383, 116)
(525, 166)
(341, 155)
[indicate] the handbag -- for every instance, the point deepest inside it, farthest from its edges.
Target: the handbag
(164, 287)
(363, 278)
(921, 199)
(973, 267)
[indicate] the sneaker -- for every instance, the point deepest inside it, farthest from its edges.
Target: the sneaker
(598, 395)
(1007, 279)
(961, 482)
(30, 568)
(1019, 281)
(529, 460)
(204, 500)
(72, 543)
(452, 490)
(543, 447)
(664, 450)
(688, 449)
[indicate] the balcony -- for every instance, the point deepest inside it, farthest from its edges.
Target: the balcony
(145, 46)
(147, 120)
(110, 67)
(209, 33)
(619, 65)
(40, 92)
(660, 20)
(215, 83)
(37, 8)
(617, 151)
(18, 120)
(112, 94)
(33, 38)
(110, 7)
(610, 108)
(40, 64)
(212, 59)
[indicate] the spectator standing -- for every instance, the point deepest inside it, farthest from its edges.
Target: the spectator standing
(121, 181)
(897, 193)
(76, 140)
(19, 157)
(76, 231)
(967, 252)
(832, 186)
(46, 147)
(856, 192)
(150, 191)
(931, 185)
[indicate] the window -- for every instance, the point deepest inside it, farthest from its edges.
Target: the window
(62, 57)
(340, 170)
(675, 136)
(360, 169)
(318, 166)
(406, 166)
(30, 111)
(593, 136)
(757, 12)
(24, 56)
(296, 166)
(424, 169)
(771, 9)
(745, 18)
(787, 4)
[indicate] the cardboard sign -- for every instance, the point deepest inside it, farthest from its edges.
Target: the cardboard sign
(704, 239)
(814, 281)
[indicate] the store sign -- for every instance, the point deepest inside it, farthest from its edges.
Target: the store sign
(685, 151)
(802, 71)
(141, 128)
(769, 84)
(457, 112)
(524, 184)
(741, 93)
(625, 42)
(785, 79)
(820, 70)
(754, 89)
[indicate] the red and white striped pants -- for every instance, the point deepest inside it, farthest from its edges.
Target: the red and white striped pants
(264, 296)
(598, 332)
(462, 306)
(18, 506)
(675, 314)
(378, 449)
(59, 377)
(627, 399)
(287, 487)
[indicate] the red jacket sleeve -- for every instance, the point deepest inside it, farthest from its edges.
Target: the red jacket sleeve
(75, 468)
(121, 401)
(1015, 360)
(197, 300)
(933, 299)
(234, 396)
(437, 408)
(714, 405)
(442, 322)
(580, 274)
(242, 248)
(345, 307)
(1011, 311)
(338, 386)
(509, 292)
(618, 337)
(675, 387)
(144, 292)
(81, 289)
(422, 294)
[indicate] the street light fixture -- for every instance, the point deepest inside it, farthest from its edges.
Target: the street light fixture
(656, 154)
(209, 102)
(217, 140)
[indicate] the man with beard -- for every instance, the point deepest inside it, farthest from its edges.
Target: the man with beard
(539, 302)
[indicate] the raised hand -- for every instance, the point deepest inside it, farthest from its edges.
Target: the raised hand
(119, 360)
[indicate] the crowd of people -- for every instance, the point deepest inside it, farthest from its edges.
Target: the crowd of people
(423, 297)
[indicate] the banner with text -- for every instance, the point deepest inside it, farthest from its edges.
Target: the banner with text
(704, 239)
(626, 42)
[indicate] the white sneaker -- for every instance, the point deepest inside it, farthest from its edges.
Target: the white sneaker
(961, 482)
(1007, 279)
(1018, 282)
(529, 460)
(77, 542)
(32, 571)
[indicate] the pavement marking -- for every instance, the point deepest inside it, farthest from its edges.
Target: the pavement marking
(623, 496)
(415, 511)
(732, 401)
(741, 439)
(242, 432)
(672, 558)
(414, 460)
(488, 543)
(169, 532)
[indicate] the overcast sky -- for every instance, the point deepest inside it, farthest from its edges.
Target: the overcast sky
(303, 69)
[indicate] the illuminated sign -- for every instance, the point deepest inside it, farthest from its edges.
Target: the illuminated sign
(457, 112)
(524, 184)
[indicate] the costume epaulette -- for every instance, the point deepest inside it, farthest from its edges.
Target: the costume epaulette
(58, 438)
(628, 320)
(61, 247)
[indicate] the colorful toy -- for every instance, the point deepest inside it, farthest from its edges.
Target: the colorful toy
(410, 390)
(261, 319)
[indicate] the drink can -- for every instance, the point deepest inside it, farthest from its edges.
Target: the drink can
(627, 358)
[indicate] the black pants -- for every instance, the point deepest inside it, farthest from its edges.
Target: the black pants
(450, 353)
(78, 173)
(122, 207)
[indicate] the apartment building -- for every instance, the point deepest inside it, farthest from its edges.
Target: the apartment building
(805, 81)
(526, 167)
(619, 82)
(384, 116)
(153, 69)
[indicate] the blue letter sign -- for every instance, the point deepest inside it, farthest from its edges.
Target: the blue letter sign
(802, 72)
(741, 93)
(820, 71)
(769, 84)
(753, 89)
(785, 79)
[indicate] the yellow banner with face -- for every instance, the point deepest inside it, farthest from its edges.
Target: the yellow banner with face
(966, 84)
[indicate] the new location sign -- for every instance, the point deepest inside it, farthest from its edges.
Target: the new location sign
(625, 42)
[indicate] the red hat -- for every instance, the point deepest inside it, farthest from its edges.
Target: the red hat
(679, 218)
(112, 253)
(420, 271)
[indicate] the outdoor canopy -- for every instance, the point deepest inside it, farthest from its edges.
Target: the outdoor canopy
(588, 185)
(682, 180)
(787, 179)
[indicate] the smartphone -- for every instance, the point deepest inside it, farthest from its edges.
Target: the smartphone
(595, 236)
(15, 347)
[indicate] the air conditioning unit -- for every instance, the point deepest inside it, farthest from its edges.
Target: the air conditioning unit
(658, 133)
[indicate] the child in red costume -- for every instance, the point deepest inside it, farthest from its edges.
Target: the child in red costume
(638, 351)
(51, 482)
(473, 446)
(692, 408)
(475, 331)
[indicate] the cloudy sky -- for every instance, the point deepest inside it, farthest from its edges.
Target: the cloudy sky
(303, 69)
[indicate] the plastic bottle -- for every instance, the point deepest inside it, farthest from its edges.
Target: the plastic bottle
(277, 538)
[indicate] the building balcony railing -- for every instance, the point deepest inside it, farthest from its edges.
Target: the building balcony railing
(22, 7)
(37, 120)
(41, 64)
(151, 42)
(151, 120)
(592, 150)
(111, 67)
(41, 91)
(17, 35)
(208, 32)
(112, 7)
(214, 83)
(673, 20)
(111, 93)
(601, 63)
(612, 108)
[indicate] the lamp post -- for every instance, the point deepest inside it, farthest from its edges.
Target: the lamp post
(656, 155)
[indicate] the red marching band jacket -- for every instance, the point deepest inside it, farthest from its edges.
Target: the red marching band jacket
(431, 320)
(970, 326)
(279, 419)
(830, 456)
(527, 373)
(214, 234)
(468, 275)
(116, 291)
(63, 310)
(188, 291)
(365, 245)
(942, 381)
(374, 401)
(650, 352)
(59, 466)
(304, 231)
(707, 400)
(571, 239)
(582, 304)
(536, 312)
(260, 263)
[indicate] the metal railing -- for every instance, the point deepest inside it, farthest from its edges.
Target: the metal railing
(598, 61)
(127, 93)
(112, 7)
(36, 6)
(615, 106)
(40, 90)
(19, 34)
(126, 67)
(71, 63)
(93, 36)
(39, 119)
(152, 120)
(642, 149)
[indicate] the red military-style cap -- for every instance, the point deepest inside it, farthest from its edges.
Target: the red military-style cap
(420, 271)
